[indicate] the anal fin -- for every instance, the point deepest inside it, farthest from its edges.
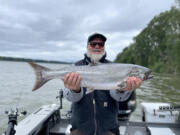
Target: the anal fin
(89, 90)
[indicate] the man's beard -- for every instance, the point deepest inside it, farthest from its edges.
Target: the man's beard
(95, 58)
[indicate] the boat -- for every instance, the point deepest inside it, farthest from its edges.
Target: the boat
(157, 119)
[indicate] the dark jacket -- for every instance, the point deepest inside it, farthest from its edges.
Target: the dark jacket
(95, 112)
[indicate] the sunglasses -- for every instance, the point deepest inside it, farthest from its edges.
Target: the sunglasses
(93, 44)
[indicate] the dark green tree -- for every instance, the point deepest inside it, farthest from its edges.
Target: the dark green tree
(158, 45)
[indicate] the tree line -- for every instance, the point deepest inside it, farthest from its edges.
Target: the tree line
(158, 45)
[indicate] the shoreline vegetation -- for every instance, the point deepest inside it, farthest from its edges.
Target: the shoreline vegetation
(158, 45)
(4, 58)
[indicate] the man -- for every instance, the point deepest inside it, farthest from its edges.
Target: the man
(96, 112)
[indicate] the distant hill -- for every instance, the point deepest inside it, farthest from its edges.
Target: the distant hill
(158, 45)
(2, 58)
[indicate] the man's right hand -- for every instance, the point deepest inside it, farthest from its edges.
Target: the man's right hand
(72, 81)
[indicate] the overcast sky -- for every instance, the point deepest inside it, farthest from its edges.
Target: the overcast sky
(58, 29)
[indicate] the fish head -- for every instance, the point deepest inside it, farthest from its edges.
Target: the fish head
(140, 72)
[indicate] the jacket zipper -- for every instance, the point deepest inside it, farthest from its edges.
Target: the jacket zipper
(95, 122)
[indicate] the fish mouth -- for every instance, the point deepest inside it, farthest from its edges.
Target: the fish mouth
(147, 75)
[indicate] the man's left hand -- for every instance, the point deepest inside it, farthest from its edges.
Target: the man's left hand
(132, 83)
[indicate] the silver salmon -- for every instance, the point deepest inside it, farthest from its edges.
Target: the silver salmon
(109, 76)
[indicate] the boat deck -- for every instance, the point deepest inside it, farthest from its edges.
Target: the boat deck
(47, 120)
(127, 128)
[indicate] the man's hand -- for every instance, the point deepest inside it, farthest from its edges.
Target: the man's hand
(72, 81)
(132, 83)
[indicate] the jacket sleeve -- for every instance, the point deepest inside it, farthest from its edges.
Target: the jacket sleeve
(72, 96)
(120, 96)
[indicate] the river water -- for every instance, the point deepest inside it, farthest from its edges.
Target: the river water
(17, 80)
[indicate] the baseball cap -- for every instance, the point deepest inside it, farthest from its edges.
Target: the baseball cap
(96, 35)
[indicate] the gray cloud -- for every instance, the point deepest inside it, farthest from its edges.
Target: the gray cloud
(58, 30)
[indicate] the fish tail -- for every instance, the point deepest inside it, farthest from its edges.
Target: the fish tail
(40, 78)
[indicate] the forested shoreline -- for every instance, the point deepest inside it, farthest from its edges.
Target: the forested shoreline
(158, 45)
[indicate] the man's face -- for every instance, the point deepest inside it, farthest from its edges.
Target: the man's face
(96, 46)
(95, 49)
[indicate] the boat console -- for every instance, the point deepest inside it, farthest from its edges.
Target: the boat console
(157, 119)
